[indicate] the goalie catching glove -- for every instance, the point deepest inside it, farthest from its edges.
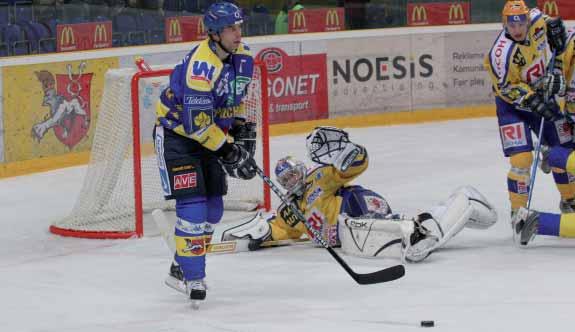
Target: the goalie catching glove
(331, 146)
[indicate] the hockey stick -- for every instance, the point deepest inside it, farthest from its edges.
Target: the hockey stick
(538, 146)
(537, 151)
(223, 247)
(385, 275)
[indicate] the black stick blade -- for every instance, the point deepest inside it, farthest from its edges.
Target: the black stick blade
(385, 275)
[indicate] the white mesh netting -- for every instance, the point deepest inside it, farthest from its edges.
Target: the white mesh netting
(106, 202)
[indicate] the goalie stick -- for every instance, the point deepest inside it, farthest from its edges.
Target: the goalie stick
(385, 275)
(223, 247)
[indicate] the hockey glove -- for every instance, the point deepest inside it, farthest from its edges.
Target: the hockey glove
(244, 133)
(331, 146)
(554, 82)
(237, 161)
(556, 34)
(547, 110)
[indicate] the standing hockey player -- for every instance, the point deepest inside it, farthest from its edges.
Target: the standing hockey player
(202, 103)
(530, 223)
(353, 216)
(525, 88)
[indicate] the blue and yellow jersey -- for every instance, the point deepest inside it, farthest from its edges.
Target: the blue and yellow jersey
(569, 71)
(320, 203)
(516, 69)
(205, 94)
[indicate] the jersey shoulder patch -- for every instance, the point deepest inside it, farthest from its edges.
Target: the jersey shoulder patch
(500, 56)
(203, 69)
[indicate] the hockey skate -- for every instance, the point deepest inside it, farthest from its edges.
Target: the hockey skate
(525, 225)
(197, 292)
(421, 243)
(567, 206)
(175, 279)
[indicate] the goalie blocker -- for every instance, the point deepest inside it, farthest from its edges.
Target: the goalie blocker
(414, 239)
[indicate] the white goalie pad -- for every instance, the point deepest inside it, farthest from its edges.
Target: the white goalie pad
(255, 227)
(373, 237)
(465, 208)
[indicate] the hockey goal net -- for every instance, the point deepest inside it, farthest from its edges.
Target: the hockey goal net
(122, 181)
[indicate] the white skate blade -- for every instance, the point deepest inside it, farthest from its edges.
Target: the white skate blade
(195, 304)
(176, 284)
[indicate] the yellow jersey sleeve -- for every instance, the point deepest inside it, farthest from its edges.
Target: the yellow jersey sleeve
(568, 58)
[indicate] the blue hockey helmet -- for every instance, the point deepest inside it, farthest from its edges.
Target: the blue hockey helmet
(222, 14)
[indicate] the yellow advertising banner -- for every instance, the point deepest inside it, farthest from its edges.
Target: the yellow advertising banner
(51, 109)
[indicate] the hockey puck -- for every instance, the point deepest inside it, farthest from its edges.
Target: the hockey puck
(427, 323)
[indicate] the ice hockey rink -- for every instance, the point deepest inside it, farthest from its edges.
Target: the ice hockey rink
(479, 282)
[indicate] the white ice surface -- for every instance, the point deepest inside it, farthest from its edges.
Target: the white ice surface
(480, 282)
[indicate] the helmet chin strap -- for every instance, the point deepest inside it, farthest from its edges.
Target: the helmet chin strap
(219, 42)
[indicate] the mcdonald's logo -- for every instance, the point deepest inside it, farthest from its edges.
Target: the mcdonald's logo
(419, 14)
(550, 8)
(67, 38)
(175, 32)
(456, 12)
(201, 27)
(100, 35)
(299, 21)
(332, 18)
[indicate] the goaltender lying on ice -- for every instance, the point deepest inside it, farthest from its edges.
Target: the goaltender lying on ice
(351, 216)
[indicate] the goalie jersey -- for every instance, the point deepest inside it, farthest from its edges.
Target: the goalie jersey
(326, 193)
(516, 69)
(205, 94)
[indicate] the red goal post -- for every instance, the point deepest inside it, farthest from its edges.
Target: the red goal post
(103, 209)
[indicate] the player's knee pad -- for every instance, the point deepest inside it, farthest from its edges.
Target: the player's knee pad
(522, 160)
(193, 209)
(518, 179)
(215, 209)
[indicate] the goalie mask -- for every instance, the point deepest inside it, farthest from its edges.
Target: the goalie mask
(291, 174)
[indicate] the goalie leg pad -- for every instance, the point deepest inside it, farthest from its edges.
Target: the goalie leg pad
(465, 208)
(255, 228)
(373, 237)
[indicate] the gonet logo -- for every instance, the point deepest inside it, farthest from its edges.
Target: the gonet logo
(332, 20)
(67, 39)
(299, 23)
(175, 32)
(550, 8)
(456, 14)
(419, 16)
(100, 36)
